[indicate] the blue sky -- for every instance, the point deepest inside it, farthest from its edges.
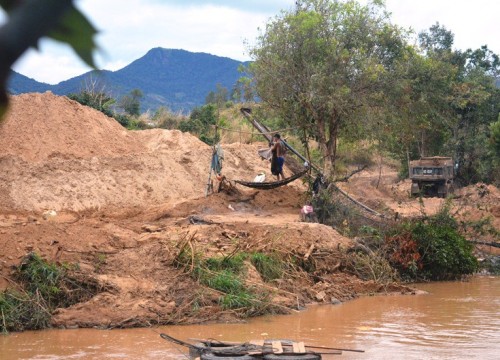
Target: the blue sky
(129, 28)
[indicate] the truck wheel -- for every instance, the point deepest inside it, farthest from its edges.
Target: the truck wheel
(441, 190)
(415, 190)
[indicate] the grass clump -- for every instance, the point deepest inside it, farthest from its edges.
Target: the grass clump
(241, 300)
(41, 287)
(235, 263)
(226, 275)
(224, 281)
(269, 266)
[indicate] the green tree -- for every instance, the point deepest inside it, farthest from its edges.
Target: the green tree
(495, 138)
(200, 123)
(30, 20)
(131, 103)
(244, 88)
(443, 103)
(494, 150)
(95, 96)
(419, 119)
(325, 63)
(218, 97)
(476, 103)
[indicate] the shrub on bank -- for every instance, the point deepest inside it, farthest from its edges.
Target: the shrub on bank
(431, 248)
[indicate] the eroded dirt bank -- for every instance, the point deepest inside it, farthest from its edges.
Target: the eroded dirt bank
(77, 188)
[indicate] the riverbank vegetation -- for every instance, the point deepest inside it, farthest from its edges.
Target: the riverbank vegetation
(229, 277)
(39, 288)
(429, 247)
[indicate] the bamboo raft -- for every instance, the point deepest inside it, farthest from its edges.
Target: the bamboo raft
(255, 350)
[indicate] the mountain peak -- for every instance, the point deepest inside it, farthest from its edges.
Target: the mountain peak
(175, 78)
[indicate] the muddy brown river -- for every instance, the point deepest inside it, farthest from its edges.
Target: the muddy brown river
(456, 320)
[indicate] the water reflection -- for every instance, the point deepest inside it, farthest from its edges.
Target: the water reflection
(456, 320)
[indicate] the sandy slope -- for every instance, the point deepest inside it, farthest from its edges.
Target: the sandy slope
(58, 155)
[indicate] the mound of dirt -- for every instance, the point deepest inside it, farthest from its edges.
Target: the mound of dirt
(480, 203)
(57, 154)
(38, 127)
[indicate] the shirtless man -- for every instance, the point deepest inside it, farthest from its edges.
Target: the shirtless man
(277, 159)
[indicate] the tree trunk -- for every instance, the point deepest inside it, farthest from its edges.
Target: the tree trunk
(328, 144)
(332, 149)
(322, 137)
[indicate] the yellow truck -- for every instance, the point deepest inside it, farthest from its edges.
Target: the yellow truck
(432, 176)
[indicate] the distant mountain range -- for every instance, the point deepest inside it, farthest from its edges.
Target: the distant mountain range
(177, 79)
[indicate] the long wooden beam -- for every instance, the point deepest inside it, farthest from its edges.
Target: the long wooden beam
(264, 131)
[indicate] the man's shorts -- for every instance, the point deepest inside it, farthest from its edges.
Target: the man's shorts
(281, 161)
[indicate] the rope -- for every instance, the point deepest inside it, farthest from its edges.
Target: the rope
(260, 132)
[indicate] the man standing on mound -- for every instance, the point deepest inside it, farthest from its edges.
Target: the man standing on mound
(277, 159)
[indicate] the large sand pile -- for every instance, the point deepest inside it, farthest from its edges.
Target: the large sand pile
(57, 154)
(38, 127)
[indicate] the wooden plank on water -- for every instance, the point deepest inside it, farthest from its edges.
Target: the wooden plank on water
(254, 352)
(298, 347)
(277, 348)
(259, 343)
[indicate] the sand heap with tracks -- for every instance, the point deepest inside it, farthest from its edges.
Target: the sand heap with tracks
(57, 154)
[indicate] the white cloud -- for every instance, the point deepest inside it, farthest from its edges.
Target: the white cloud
(474, 23)
(129, 29)
(201, 28)
(53, 63)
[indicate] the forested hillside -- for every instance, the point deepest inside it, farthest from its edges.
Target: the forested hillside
(176, 79)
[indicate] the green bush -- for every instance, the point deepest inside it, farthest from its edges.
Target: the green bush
(21, 311)
(40, 276)
(98, 100)
(373, 266)
(444, 253)
(201, 123)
